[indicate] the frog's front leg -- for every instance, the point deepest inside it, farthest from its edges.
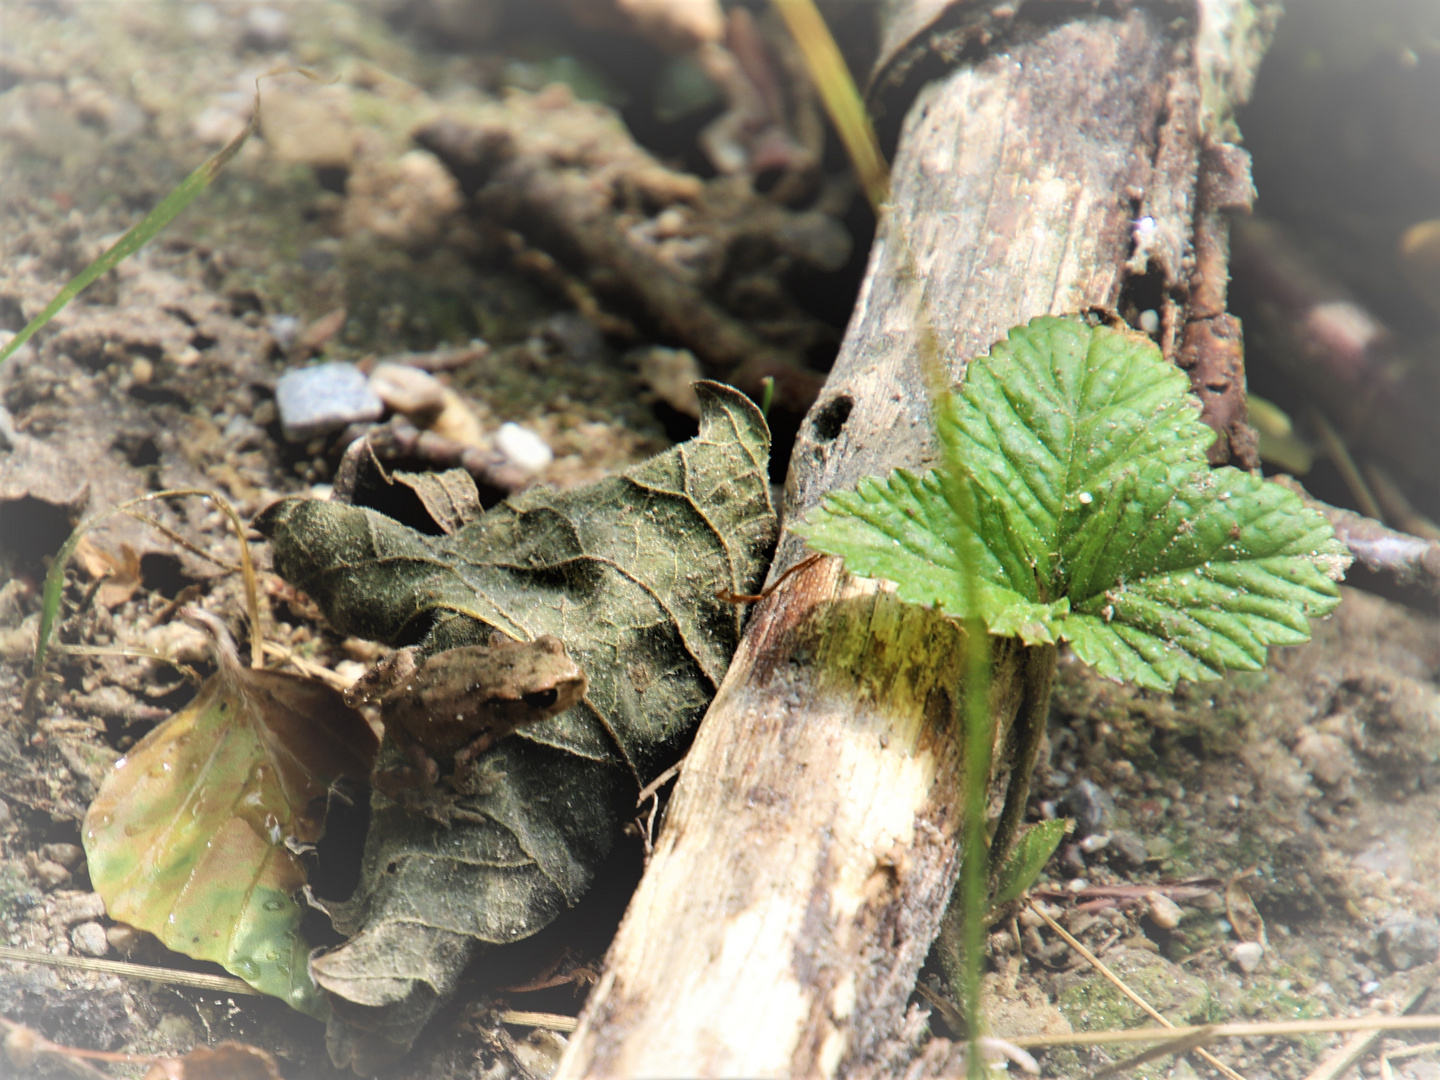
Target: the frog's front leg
(401, 781)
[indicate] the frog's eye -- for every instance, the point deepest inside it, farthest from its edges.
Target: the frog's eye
(540, 699)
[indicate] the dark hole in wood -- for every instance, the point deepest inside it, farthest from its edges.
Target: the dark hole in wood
(830, 418)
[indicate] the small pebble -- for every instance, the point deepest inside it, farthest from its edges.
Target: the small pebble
(1095, 842)
(1164, 912)
(1072, 860)
(67, 855)
(267, 28)
(1090, 805)
(1407, 942)
(5, 816)
(78, 908)
(202, 20)
(1076, 885)
(1369, 987)
(89, 939)
(523, 448)
(1150, 321)
(1246, 955)
(51, 875)
(317, 400)
(459, 422)
(284, 329)
(1126, 849)
(124, 938)
(417, 395)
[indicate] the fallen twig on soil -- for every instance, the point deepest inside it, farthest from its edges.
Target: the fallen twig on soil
(1409, 559)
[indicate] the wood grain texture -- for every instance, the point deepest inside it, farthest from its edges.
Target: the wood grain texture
(810, 846)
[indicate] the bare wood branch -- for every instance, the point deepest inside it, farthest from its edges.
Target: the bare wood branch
(811, 843)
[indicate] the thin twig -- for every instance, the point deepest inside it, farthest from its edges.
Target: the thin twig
(1355, 1048)
(1411, 560)
(38, 1045)
(172, 976)
(743, 598)
(1263, 1029)
(1119, 983)
(1183, 1045)
(307, 667)
(550, 1021)
(180, 541)
(650, 790)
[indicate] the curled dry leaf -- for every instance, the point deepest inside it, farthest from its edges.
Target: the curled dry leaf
(625, 573)
(191, 835)
(120, 573)
(1242, 913)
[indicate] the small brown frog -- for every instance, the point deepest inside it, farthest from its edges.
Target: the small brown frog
(462, 701)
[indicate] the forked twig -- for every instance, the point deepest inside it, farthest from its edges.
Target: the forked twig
(742, 598)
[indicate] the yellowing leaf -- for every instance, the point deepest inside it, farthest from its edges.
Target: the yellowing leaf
(192, 835)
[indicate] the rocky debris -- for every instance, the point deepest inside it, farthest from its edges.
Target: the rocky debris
(1407, 941)
(89, 939)
(522, 448)
(67, 855)
(671, 376)
(1090, 805)
(73, 908)
(1091, 1003)
(1163, 911)
(1126, 849)
(318, 400)
(414, 394)
(1246, 955)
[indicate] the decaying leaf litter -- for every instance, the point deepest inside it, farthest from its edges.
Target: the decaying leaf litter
(52, 772)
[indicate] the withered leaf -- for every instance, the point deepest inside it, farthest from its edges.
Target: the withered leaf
(450, 497)
(625, 573)
(191, 835)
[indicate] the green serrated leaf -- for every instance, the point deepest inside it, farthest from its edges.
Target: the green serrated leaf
(1100, 520)
(1027, 858)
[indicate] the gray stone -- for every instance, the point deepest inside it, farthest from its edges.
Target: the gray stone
(1407, 942)
(1126, 849)
(324, 398)
(1090, 805)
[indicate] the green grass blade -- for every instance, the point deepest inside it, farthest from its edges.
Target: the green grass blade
(839, 96)
(178, 199)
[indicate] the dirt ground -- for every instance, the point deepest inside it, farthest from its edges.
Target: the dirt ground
(1299, 803)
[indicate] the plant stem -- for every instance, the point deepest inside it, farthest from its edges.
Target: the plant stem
(1025, 739)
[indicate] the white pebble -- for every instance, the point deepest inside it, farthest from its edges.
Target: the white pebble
(89, 939)
(523, 448)
(1095, 842)
(1246, 955)
(1150, 321)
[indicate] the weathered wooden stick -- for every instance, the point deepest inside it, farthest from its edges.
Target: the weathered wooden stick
(811, 843)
